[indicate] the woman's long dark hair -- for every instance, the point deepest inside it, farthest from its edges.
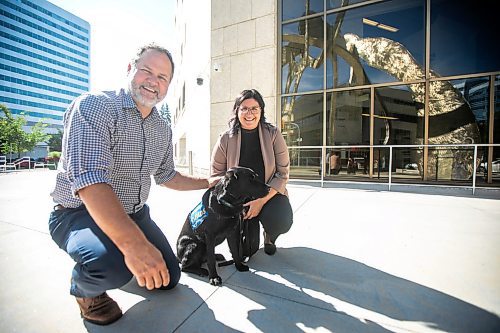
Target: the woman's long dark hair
(234, 122)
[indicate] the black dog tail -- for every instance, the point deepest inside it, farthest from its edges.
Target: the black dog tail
(225, 263)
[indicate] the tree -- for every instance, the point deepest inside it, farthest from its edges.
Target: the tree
(165, 113)
(55, 141)
(12, 136)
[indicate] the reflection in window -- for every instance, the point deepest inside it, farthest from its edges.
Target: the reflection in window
(302, 120)
(332, 4)
(457, 114)
(305, 163)
(376, 44)
(398, 115)
(399, 120)
(302, 56)
(457, 111)
(347, 162)
(496, 131)
(458, 48)
(348, 118)
(298, 8)
(446, 164)
(484, 166)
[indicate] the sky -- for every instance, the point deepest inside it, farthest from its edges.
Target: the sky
(118, 28)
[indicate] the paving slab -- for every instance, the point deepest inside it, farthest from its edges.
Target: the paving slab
(355, 260)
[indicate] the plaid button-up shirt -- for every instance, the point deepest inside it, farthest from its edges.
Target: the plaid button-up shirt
(107, 141)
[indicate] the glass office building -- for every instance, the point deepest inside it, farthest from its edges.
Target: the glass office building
(44, 60)
(406, 89)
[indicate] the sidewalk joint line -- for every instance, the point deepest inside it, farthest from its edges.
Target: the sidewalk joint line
(24, 227)
(199, 306)
(305, 201)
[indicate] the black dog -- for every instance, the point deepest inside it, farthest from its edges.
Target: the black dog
(216, 218)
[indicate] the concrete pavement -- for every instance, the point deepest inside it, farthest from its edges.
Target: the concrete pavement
(354, 261)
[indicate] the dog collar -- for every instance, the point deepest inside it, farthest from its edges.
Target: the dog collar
(226, 203)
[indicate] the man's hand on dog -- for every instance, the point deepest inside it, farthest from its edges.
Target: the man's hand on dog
(212, 181)
(254, 208)
(147, 264)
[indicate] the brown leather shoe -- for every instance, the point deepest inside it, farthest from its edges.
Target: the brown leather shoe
(100, 310)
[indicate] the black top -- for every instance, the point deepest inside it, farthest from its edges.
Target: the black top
(250, 152)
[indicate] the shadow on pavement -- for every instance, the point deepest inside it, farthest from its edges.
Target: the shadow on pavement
(358, 298)
(160, 311)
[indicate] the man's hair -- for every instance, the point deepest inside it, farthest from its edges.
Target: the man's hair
(153, 46)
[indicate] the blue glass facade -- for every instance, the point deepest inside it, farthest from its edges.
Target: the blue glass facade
(44, 59)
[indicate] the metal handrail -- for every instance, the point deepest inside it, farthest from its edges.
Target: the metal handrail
(391, 147)
(20, 160)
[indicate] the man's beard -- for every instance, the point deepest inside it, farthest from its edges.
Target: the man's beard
(135, 90)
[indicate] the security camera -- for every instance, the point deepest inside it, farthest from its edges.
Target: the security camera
(217, 67)
(199, 81)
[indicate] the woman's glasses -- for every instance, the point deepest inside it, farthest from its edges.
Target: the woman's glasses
(252, 110)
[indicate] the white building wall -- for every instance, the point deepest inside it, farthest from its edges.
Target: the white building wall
(232, 45)
(190, 99)
(244, 44)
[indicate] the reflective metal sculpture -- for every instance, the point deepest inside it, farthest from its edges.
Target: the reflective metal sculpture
(450, 117)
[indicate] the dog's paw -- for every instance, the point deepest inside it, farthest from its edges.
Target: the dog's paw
(216, 281)
(241, 267)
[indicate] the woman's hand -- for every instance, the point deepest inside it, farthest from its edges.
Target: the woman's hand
(254, 208)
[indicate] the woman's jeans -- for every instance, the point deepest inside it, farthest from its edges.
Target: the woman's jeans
(100, 266)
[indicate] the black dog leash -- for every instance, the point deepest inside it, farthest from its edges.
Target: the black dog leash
(241, 232)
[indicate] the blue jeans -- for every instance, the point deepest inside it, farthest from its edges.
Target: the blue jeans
(100, 266)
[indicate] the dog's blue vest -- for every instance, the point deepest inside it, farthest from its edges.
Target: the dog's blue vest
(197, 216)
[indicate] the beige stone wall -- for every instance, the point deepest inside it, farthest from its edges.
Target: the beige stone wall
(243, 55)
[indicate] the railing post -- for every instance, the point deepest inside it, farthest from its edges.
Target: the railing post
(390, 167)
(323, 163)
(474, 171)
(190, 162)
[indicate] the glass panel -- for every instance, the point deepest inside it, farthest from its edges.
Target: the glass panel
(484, 166)
(348, 118)
(450, 165)
(495, 166)
(399, 115)
(305, 163)
(298, 8)
(406, 165)
(302, 120)
(458, 111)
(332, 4)
(342, 163)
(482, 176)
(302, 56)
(463, 38)
(496, 128)
(380, 168)
(383, 42)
